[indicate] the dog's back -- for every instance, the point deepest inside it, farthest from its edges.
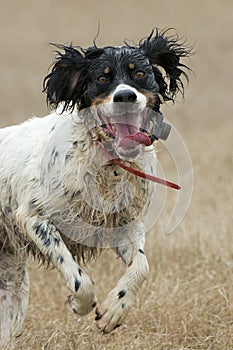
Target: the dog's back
(4, 132)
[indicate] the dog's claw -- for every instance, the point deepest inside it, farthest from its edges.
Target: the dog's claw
(98, 315)
(117, 325)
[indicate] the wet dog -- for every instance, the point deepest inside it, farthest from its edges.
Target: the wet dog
(62, 196)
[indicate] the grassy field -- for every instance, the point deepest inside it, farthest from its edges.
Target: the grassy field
(187, 301)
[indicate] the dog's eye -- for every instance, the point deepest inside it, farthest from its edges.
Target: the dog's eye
(102, 79)
(139, 74)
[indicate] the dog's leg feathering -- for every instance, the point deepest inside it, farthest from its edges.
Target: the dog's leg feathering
(119, 301)
(49, 242)
(14, 288)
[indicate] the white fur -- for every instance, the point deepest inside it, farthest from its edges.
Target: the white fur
(27, 171)
(141, 99)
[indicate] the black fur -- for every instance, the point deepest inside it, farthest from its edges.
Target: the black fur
(165, 51)
(74, 76)
(121, 294)
(66, 82)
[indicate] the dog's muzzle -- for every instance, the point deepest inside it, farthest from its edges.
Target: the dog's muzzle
(130, 129)
(127, 121)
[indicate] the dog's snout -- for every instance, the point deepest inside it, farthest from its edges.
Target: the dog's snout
(125, 96)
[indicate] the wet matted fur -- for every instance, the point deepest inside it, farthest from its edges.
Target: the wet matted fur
(60, 197)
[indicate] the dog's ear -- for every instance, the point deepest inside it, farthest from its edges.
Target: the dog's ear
(66, 80)
(165, 51)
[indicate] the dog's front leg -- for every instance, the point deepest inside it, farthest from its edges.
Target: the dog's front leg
(48, 240)
(112, 312)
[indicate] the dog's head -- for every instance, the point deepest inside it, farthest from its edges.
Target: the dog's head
(123, 82)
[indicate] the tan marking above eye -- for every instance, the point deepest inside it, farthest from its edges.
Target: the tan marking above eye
(107, 70)
(131, 65)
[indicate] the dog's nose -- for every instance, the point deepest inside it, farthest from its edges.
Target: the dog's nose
(125, 96)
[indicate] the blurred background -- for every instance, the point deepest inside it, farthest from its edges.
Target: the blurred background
(27, 28)
(194, 265)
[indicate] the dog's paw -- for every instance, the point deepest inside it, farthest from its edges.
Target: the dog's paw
(81, 306)
(114, 309)
(84, 300)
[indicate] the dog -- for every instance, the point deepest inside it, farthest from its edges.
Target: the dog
(63, 196)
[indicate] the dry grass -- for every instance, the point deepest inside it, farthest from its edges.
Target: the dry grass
(187, 301)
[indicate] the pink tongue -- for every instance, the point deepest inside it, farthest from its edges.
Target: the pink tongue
(133, 140)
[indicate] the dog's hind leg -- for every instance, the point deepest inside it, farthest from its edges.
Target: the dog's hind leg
(14, 290)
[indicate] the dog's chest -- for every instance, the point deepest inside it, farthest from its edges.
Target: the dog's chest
(106, 195)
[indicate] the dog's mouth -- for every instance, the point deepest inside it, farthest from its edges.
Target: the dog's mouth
(125, 127)
(127, 132)
(127, 135)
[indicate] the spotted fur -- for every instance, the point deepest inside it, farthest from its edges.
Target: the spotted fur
(51, 168)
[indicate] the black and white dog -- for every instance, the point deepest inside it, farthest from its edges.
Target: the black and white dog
(62, 195)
